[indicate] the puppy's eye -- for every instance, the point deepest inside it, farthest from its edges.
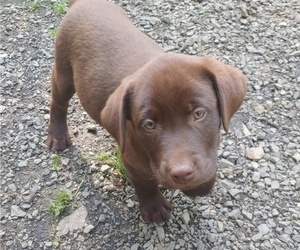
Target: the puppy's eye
(149, 125)
(198, 114)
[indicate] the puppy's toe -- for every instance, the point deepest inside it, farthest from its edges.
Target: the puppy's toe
(156, 210)
(58, 143)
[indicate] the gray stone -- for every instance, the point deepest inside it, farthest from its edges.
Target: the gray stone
(72, 222)
(212, 237)
(235, 213)
(256, 237)
(185, 217)
(88, 229)
(256, 176)
(247, 215)
(105, 168)
(275, 185)
(23, 164)
(16, 211)
(135, 246)
(297, 185)
(296, 157)
(161, 233)
(263, 229)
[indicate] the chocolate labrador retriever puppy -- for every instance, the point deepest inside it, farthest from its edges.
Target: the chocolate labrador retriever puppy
(165, 110)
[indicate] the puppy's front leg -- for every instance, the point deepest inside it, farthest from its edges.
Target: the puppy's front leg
(153, 205)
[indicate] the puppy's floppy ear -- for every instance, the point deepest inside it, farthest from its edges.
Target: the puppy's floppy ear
(115, 113)
(230, 85)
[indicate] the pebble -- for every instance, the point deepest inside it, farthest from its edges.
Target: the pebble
(296, 157)
(254, 153)
(23, 164)
(186, 217)
(256, 237)
(259, 109)
(256, 176)
(275, 185)
(88, 229)
(105, 168)
(263, 229)
(17, 211)
(161, 233)
(212, 237)
(247, 215)
(72, 222)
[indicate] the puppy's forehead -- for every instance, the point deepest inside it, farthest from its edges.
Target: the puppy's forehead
(178, 86)
(175, 88)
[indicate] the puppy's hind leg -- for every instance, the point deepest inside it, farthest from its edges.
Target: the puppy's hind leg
(62, 90)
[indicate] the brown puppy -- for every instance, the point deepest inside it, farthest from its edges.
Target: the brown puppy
(165, 110)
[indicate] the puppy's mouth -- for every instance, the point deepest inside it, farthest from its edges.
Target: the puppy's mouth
(200, 190)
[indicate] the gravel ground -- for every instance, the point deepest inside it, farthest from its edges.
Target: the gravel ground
(254, 205)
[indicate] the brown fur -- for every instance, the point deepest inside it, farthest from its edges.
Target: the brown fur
(148, 100)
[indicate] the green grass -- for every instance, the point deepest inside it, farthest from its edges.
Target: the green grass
(53, 32)
(60, 7)
(34, 5)
(113, 160)
(56, 162)
(60, 203)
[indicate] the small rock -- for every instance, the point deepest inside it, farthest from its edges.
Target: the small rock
(185, 217)
(2, 109)
(161, 233)
(235, 213)
(256, 237)
(12, 187)
(74, 221)
(88, 229)
(17, 212)
(91, 128)
(130, 203)
(297, 185)
(220, 226)
(296, 157)
(259, 109)
(263, 229)
(233, 192)
(247, 215)
(246, 131)
(23, 164)
(256, 176)
(275, 212)
(227, 184)
(212, 237)
(2, 212)
(254, 153)
(275, 185)
(48, 244)
(296, 238)
(135, 246)
(105, 168)
(102, 218)
(65, 161)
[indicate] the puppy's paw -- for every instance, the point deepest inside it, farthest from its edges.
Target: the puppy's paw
(155, 209)
(59, 141)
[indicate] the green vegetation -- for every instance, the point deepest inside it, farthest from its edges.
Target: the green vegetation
(34, 5)
(60, 7)
(113, 160)
(54, 31)
(56, 162)
(60, 203)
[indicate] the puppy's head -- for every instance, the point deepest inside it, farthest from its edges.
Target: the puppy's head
(174, 107)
